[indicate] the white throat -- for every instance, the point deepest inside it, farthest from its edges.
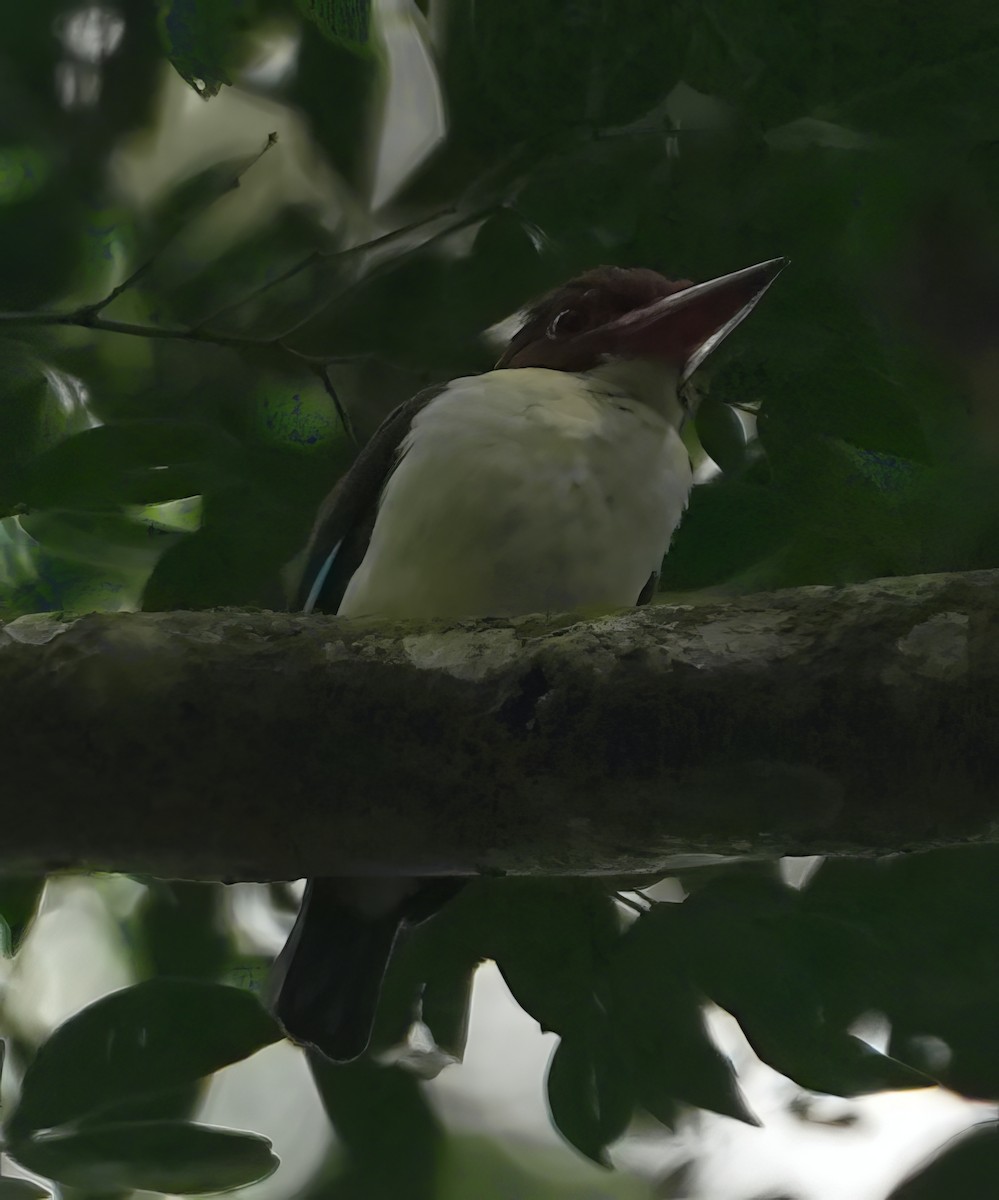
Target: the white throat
(651, 381)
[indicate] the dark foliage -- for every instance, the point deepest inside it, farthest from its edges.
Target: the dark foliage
(165, 443)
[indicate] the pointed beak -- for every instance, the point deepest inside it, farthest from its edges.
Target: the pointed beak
(685, 327)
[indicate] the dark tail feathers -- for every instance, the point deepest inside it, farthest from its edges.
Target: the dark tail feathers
(326, 981)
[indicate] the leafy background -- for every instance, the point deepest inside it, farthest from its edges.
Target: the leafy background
(199, 323)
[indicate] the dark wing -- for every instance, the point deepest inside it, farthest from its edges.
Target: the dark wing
(340, 536)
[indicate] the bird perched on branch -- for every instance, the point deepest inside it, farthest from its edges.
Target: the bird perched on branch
(553, 482)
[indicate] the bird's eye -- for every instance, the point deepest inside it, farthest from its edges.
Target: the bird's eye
(567, 321)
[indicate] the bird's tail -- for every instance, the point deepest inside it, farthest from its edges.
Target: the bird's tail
(325, 983)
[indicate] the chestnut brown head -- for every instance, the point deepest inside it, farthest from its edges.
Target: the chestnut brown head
(633, 312)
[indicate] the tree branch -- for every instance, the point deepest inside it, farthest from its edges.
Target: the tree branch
(239, 745)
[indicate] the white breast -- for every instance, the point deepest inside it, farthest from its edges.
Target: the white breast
(524, 491)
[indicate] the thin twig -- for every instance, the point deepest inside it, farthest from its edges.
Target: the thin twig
(336, 256)
(85, 318)
(89, 316)
(141, 270)
(321, 370)
(384, 239)
(470, 219)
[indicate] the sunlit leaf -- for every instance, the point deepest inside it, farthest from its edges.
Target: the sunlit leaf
(23, 171)
(76, 561)
(297, 413)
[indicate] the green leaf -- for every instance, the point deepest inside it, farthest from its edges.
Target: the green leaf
(853, 510)
(217, 566)
(181, 930)
(590, 1096)
(346, 23)
(504, 84)
(732, 525)
(22, 1189)
(339, 90)
(202, 39)
(40, 236)
(750, 947)
(395, 313)
(549, 939)
(19, 897)
(446, 1007)
(77, 562)
(259, 285)
(929, 918)
(112, 541)
(39, 406)
(826, 1060)
(298, 414)
(941, 100)
(721, 434)
(129, 462)
(194, 194)
(156, 1156)
(24, 170)
(140, 1040)
(578, 192)
(658, 1017)
(967, 1166)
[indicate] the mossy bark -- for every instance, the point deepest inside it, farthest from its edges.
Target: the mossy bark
(237, 745)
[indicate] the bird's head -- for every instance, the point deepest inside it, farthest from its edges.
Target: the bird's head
(631, 312)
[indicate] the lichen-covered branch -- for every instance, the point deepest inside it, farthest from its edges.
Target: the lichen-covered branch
(234, 745)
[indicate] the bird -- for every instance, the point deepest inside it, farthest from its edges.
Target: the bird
(551, 483)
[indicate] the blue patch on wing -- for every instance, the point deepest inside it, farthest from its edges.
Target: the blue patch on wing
(320, 581)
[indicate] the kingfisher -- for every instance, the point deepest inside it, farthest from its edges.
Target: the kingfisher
(553, 482)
